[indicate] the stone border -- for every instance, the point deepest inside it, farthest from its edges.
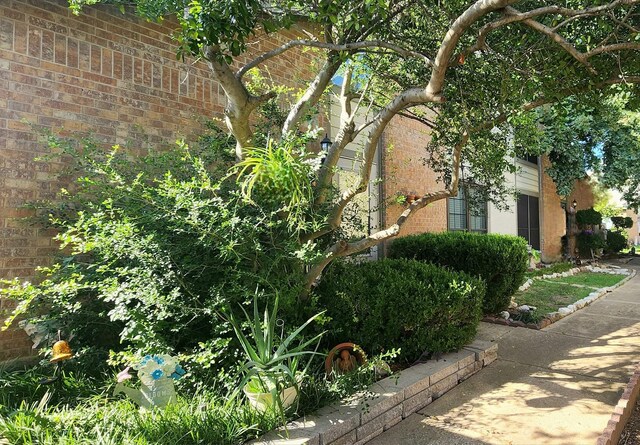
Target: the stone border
(357, 421)
(622, 411)
(610, 270)
(562, 312)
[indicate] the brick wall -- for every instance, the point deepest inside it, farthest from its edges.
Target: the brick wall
(553, 218)
(112, 74)
(553, 215)
(633, 232)
(404, 173)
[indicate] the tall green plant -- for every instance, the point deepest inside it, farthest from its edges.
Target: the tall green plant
(153, 246)
(588, 217)
(272, 360)
(281, 176)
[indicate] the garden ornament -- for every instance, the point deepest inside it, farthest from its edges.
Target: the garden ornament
(61, 351)
(156, 374)
(344, 358)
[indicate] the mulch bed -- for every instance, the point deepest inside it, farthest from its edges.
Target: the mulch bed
(518, 323)
(631, 433)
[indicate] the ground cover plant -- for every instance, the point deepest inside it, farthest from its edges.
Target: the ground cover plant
(80, 408)
(202, 418)
(548, 295)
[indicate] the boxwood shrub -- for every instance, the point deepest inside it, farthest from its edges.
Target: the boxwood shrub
(404, 304)
(616, 241)
(500, 260)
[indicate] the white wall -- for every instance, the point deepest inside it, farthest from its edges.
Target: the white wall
(526, 181)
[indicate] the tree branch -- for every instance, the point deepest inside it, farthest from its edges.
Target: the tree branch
(561, 41)
(240, 103)
(408, 98)
(313, 92)
(554, 9)
(441, 62)
(354, 46)
(343, 248)
(611, 48)
(346, 135)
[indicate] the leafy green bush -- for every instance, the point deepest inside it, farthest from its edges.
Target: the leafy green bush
(588, 241)
(500, 260)
(588, 217)
(622, 222)
(154, 246)
(616, 241)
(404, 304)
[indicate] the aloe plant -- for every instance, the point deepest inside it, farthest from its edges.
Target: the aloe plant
(273, 361)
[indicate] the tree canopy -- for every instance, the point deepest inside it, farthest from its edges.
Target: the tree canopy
(470, 71)
(599, 138)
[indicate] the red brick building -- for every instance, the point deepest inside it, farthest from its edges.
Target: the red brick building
(102, 72)
(117, 76)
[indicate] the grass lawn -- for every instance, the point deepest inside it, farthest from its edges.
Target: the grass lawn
(597, 280)
(550, 295)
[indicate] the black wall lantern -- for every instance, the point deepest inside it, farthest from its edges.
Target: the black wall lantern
(574, 204)
(325, 144)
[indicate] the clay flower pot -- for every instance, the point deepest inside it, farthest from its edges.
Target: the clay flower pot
(344, 351)
(410, 198)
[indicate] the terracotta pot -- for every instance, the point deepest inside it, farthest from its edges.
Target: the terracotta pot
(335, 352)
(410, 198)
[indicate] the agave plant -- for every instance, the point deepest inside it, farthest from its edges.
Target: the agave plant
(273, 361)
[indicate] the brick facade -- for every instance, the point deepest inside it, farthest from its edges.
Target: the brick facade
(102, 72)
(553, 214)
(404, 173)
(633, 232)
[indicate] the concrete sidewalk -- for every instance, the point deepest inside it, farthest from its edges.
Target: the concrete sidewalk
(555, 386)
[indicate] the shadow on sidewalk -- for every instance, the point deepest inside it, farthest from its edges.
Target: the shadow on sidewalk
(555, 386)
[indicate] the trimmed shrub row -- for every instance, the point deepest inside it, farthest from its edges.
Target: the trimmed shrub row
(500, 260)
(404, 304)
(616, 241)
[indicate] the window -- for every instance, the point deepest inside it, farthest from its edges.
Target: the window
(465, 215)
(529, 220)
(529, 158)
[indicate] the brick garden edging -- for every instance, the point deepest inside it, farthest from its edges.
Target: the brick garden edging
(562, 312)
(622, 411)
(357, 421)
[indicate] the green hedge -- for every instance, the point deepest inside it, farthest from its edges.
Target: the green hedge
(622, 222)
(588, 217)
(500, 260)
(616, 241)
(404, 304)
(588, 241)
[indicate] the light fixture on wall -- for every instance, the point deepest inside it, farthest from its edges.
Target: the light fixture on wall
(574, 204)
(325, 144)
